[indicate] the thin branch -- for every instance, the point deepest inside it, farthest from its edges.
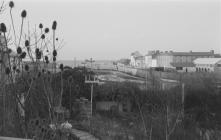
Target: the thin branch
(13, 25)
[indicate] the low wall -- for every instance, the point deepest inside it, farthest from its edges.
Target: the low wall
(146, 73)
(126, 69)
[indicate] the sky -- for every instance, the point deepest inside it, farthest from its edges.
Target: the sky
(113, 29)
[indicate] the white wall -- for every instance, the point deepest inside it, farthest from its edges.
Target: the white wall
(189, 69)
(150, 62)
(154, 63)
(202, 67)
(132, 61)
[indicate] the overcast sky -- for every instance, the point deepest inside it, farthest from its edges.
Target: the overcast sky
(112, 29)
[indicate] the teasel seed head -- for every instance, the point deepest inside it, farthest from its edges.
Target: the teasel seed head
(42, 36)
(3, 27)
(19, 50)
(54, 58)
(46, 30)
(11, 4)
(54, 53)
(23, 55)
(27, 43)
(54, 25)
(40, 25)
(26, 67)
(23, 14)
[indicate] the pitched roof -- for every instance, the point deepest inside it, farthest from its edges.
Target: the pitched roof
(192, 53)
(207, 60)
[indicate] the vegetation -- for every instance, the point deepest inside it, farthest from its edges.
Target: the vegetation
(156, 112)
(28, 73)
(34, 93)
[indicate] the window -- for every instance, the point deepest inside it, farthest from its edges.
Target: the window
(218, 65)
(179, 68)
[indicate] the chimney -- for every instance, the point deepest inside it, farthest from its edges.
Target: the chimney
(190, 51)
(212, 51)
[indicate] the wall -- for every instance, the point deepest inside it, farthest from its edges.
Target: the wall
(189, 69)
(150, 62)
(129, 70)
(164, 60)
(132, 61)
(146, 73)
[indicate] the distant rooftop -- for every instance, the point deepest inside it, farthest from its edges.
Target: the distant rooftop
(190, 53)
(157, 52)
(207, 60)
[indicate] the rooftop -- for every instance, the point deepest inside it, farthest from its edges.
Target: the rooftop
(190, 53)
(207, 60)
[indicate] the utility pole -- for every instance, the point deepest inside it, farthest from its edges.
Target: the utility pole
(183, 104)
(183, 97)
(74, 62)
(146, 72)
(84, 63)
(90, 61)
(91, 81)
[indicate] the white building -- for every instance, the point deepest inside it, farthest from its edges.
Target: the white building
(150, 59)
(137, 60)
(208, 64)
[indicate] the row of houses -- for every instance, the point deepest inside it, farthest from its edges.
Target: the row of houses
(180, 61)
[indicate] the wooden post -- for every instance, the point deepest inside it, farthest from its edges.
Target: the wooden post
(183, 96)
(92, 87)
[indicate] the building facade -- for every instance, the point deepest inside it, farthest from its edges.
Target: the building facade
(208, 64)
(150, 59)
(181, 61)
(137, 60)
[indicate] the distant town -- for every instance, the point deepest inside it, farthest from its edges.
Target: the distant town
(162, 61)
(179, 61)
